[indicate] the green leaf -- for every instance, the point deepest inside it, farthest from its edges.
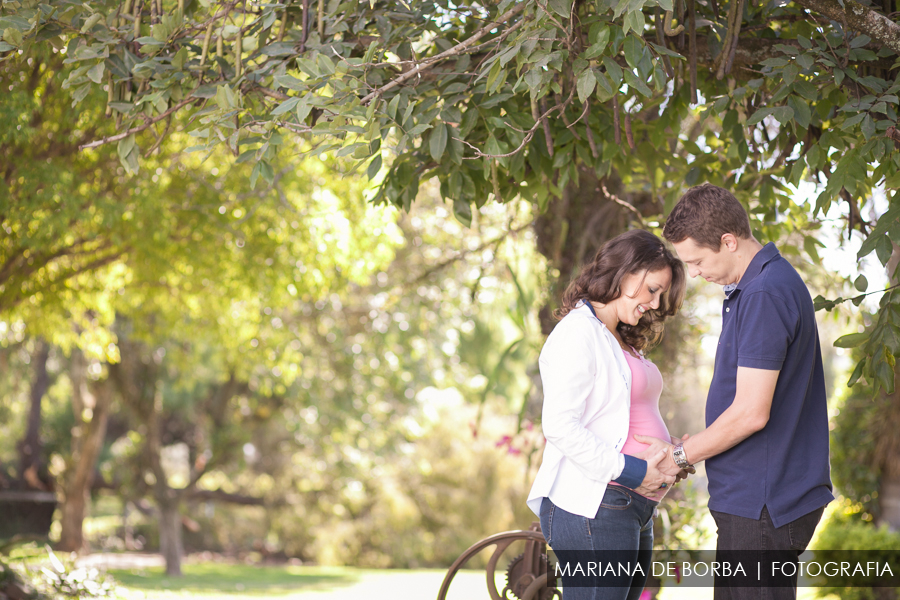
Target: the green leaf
(634, 21)
(462, 211)
(374, 167)
(13, 36)
(851, 340)
(633, 82)
(493, 74)
(125, 146)
(883, 249)
(809, 244)
(438, 141)
(783, 114)
(254, 176)
(605, 90)
(598, 48)
(303, 109)
(790, 73)
(90, 22)
(868, 127)
(860, 41)
(857, 372)
(370, 53)
(350, 149)
(614, 70)
(95, 73)
(560, 7)
(806, 60)
(633, 51)
(802, 114)
(418, 129)
(286, 106)
(861, 284)
(758, 116)
(586, 83)
(852, 121)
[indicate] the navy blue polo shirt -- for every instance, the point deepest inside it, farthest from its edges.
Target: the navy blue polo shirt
(768, 322)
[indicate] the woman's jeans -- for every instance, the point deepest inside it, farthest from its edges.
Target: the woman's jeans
(624, 522)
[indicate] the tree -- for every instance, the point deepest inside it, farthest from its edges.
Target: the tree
(598, 112)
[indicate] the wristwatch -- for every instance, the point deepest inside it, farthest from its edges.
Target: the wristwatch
(681, 459)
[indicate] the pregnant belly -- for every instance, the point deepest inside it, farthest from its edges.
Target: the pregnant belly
(651, 425)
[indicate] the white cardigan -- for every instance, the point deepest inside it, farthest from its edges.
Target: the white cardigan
(585, 418)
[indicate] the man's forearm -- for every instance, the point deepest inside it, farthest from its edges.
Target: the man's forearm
(731, 428)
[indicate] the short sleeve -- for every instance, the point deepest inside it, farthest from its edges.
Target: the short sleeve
(766, 326)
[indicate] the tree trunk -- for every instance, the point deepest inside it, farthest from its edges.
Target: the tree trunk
(30, 448)
(170, 543)
(574, 227)
(91, 409)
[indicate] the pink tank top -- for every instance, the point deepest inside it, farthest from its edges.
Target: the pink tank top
(646, 386)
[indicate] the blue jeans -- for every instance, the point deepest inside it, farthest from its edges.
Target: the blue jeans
(624, 522)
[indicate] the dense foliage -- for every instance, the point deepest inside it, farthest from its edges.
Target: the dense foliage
(509, 99)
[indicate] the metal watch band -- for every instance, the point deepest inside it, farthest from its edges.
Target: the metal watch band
(680, 457)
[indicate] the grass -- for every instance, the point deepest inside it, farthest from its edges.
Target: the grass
(208, 581)
(222, 579)
(205, 581)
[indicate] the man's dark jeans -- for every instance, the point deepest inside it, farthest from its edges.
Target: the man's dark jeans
(742, 534)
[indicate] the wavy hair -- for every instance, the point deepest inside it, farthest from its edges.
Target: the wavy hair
(600, 281)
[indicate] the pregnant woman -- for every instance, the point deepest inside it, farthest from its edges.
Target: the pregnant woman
(597, 487)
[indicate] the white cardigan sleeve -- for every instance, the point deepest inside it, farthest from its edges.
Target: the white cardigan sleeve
(570, 370)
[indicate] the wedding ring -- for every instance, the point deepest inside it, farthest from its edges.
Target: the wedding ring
(663, 486)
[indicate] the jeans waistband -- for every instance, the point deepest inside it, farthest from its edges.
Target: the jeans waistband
(637, 497)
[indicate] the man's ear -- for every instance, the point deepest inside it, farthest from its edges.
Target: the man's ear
(729, 242)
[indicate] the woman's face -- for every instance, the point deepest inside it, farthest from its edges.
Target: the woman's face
(641, 292)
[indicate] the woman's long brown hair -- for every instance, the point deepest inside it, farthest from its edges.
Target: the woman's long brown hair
(601, 281)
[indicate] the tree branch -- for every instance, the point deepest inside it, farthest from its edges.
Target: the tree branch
(457, 49)
(860, 18)
(147, 125)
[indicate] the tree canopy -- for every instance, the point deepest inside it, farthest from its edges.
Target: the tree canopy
(621, 101)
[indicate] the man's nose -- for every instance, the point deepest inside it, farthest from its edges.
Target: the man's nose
(693, 271)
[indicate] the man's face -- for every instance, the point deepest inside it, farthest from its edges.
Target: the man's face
(715, 267)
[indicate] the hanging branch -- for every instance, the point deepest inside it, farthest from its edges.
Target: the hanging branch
(138, 129)
(206, 39)
(284, 20)
(239, 49)
(692, 57)
(667, 25)
(628, 135)
(455, 50)
(588, 132)
(679, 6)
(137, 19)
(661, 40)
(616, 129)
(726, 57)
(304, 26)
(321, 21)
(569, 125)
(547, 137)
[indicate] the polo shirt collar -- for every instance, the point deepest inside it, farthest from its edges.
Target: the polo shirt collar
(766, 254)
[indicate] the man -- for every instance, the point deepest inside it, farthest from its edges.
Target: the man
(766, 441)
